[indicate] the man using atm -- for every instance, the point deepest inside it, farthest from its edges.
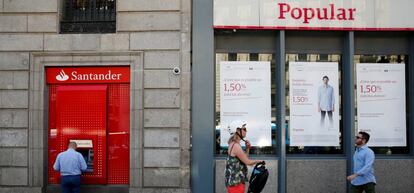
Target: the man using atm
(70, 164)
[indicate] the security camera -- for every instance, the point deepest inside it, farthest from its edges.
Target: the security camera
(176, 71)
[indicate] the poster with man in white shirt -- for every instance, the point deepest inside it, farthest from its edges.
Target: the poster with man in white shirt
(314, 93)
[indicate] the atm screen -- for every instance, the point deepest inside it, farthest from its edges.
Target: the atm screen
(88, 156)
(85, 147)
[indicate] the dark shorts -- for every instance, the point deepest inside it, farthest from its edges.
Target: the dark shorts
(368, 188)
(70, 184)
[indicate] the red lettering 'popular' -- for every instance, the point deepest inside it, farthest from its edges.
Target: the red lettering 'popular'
(283, 11)
(307, 14)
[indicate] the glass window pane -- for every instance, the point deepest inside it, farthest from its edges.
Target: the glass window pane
(222, 150)
(391, 59)
(312, 149)
(88, 16)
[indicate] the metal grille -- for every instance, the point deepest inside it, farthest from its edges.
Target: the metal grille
(89, 16)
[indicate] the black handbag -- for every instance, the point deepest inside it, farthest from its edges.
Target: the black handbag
(258, 178)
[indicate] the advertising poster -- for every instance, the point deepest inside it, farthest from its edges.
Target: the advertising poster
(381, 103)
(314, 103)
(245, 93)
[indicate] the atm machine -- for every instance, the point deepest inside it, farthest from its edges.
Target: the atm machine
(85, 147)
(95, 115)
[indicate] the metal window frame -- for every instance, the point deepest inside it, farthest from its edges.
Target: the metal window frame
(202, 103)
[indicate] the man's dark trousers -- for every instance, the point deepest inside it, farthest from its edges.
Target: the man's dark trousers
(369, 188)
(70, 184)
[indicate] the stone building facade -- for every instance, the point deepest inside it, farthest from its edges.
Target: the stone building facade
(152, 37)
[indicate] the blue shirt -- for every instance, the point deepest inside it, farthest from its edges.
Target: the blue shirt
(70, 162)
(326, 98)
(363, 166)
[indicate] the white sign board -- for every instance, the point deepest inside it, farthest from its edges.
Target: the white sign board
(315, 14)
(245, 93)
(381, 103)
(82, 143)
(314, 103)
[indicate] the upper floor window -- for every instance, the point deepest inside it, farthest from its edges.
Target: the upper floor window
(88, 16)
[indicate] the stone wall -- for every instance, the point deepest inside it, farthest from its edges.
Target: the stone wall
(159, 29)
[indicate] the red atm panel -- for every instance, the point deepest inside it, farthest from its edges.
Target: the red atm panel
(118, 134)
(81, 115)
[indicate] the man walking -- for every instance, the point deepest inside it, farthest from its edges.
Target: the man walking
(70, 164)
(363, 178)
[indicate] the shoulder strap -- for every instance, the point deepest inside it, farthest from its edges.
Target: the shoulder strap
(231, 148)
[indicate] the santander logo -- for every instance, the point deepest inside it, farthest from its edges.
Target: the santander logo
(62, 76)
(88, 74)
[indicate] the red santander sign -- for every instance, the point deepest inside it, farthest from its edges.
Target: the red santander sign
(107, 74)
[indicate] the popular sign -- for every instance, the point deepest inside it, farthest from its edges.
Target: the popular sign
(307, 14)
(314, 14)
(119, 74)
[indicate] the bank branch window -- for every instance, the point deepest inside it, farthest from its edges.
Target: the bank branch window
(245, 91)
(313, 104)
(381, 102)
